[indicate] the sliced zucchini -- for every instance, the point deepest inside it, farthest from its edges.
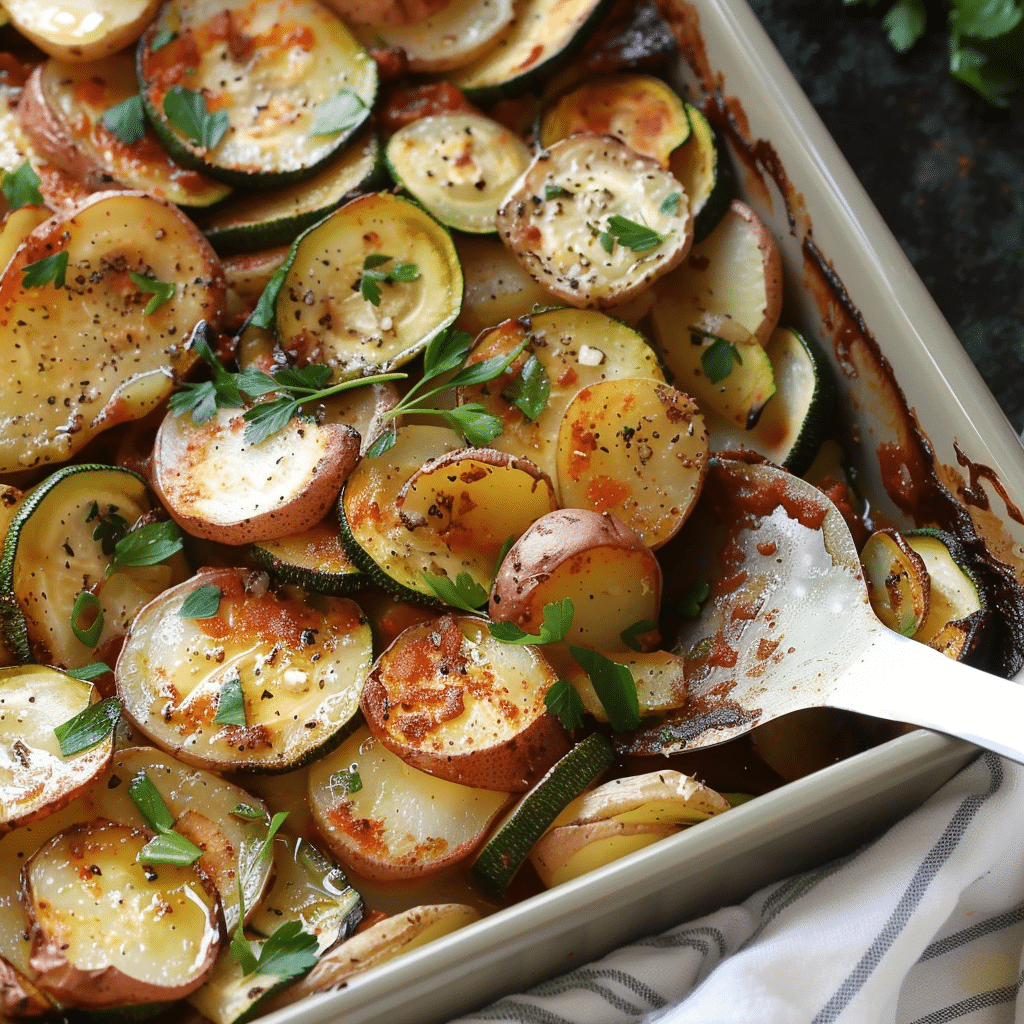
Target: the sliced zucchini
(219, 486)
(387, 820)
(640, 110)
(314, 559)
(446, 39)
(92, 907)
(36, 778)
(82, 354)
(619, 817)
(594, 222)
(705, 173)
(278, 216)
(510, 844)
(459, 166)
(636, 448)
(575, 348)
(63, 110)
(329, 310)
(254, 94)
(60, 545)
(897, 580)
(367, 509)
(264, 683)
(957, 607)
(792, 424)
(540, 38)
(453, 701)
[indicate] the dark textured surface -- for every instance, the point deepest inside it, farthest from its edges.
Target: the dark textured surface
(945, 169)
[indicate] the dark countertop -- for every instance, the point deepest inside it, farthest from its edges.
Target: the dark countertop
(944, 168)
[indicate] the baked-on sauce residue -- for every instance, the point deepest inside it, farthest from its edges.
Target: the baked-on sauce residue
(911, 474)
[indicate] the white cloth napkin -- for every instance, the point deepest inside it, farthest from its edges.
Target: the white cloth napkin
(923, 925)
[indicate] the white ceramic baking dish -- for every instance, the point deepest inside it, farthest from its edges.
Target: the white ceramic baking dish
(824, 814)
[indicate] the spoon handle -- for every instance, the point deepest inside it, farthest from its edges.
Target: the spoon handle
(905, 681)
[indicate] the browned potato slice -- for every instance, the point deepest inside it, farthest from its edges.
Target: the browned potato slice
(451, 700)
(81, 29)
(898, 582)
(636, 448)
(218, 486)
(386, 820)
(612, 577)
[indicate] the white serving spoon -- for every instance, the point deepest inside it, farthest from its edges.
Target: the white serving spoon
(788, 626)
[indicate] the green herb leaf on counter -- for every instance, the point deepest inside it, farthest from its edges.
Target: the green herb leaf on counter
(564, 702)
(338, 114)
(558, 616)
(21, 187)
(160, 290)
(202, 603)
(49, 270)
(126, 120)
(187, 111)
(87, 619)
(463, 593)
(88, 727)
(614, 685)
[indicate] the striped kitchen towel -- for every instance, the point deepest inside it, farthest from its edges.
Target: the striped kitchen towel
(923, 925)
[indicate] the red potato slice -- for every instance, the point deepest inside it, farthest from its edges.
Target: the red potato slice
(92, 907)
(79, 352)
(35, 778)
(295, 663)
(396, 822)
(636, 448)
(218, 486)
(452, 701)
(604, 567)
(81, 29)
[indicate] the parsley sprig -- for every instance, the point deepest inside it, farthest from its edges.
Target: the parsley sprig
(374, 274)
(126, 120)
(187, 111)
(21, 187)
(638, 237)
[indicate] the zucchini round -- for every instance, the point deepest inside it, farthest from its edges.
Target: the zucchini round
(346, 303)
(704, 172)
(459, 166)
(314, 560)
(254, 94)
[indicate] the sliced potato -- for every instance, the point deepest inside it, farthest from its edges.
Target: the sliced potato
(451, 700)
(217, 485)
(636, 448)
(262, 683)
(604, 567)
(17, 225)
(93, 907)
(80, 352)
(81, 30)
(386, 820)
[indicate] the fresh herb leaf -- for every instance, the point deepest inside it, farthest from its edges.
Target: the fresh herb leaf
(473, 421)
(87, 673)
(87, 609)
(905, 23)
(558, 616)
(607, 240)
(464, 592)
(347, 781)
(289, 951)
(49, 270)
(530, 391)
(242, 951)
(265, 419)
(187, 111)
(445, 352)
(670, 204)
(263, 315)
(630, 636)
(387, 440)
(21, 187)
(168, 846)
(202, 603)
(340, 113)
(160, 290)
(556, 192)
(717, 359)
(231, 703)
(693, 598)
(369, 283)
(563, 701)
(247, 812)
(162, 38)
(632, 235)
(110, 527)
(89, 727)
(126, 120)
(505, 548)
(614, 685)
(148, 545)
(203, 400)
